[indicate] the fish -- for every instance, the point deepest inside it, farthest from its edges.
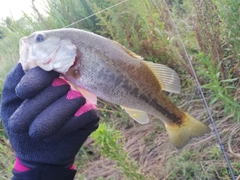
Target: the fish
(103, 68)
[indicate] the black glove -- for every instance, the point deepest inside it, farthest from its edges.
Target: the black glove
(45, 120)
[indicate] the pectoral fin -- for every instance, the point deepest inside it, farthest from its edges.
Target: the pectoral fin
(137, 115)
(89, 96)
(167, 77)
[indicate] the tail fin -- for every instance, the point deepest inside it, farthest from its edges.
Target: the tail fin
(180, 135)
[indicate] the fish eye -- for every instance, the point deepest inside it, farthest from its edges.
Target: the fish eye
(39, 38)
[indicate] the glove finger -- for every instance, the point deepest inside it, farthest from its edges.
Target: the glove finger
(21, 119)
(14, 77)
(86, 118)
(10, 101)
(34, 81)
(52, 118)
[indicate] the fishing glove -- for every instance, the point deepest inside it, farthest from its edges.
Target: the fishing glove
(46, 122)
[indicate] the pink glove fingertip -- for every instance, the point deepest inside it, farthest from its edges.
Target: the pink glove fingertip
(85, 108)
(73, 94)
(58, 82)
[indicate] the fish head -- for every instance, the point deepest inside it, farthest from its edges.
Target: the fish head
(47, 49)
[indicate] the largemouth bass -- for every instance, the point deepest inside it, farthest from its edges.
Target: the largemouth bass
(101, 67)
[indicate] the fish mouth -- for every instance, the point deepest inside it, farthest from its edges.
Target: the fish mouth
(24, 53)
(23, 49)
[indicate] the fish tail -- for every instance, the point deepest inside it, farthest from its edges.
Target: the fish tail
(190, 128)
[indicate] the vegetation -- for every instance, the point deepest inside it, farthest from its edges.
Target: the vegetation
(121, 148)
(106, 138)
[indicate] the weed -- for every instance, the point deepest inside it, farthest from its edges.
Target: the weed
(220, 90)
(215, 153)
(108, 141)
(236, 168)
(186, 166)
(208, 31)
(6, 159)
(228, 11)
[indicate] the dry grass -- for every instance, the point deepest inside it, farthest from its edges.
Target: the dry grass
(6, 159)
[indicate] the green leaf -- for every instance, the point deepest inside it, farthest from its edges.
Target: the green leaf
(213, 100)
(230, 87)
(229, 80)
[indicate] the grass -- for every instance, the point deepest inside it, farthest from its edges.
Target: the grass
(121, 148)
(6, 156)
(220, 90)
(108, 142)
(228, 11)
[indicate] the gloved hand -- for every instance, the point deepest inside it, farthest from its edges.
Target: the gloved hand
(45, 120)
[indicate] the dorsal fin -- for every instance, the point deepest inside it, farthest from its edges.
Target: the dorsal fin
(128, 51)
(137, 115)
(167, 77)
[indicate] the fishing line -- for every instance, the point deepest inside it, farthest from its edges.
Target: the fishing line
(96, 13)
(200, 90)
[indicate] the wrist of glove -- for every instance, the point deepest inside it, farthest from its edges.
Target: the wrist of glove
(49, 172)
(46, 121)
